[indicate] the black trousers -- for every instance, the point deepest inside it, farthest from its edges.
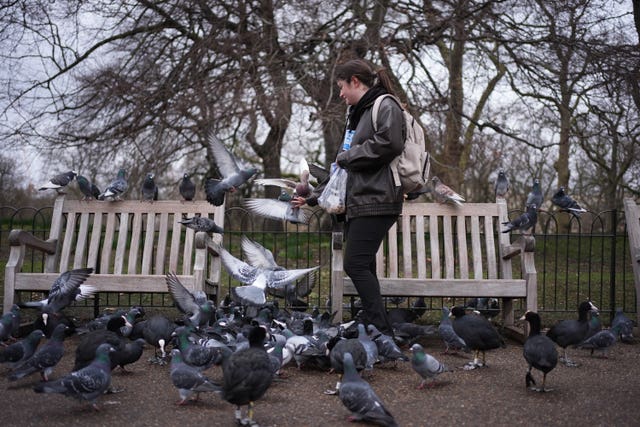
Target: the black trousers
(363, 237)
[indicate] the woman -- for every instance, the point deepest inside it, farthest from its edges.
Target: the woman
(373, 202)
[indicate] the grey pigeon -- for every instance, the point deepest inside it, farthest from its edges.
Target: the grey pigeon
(67, 288)
(425, 365)
(198, 308)
(8, 323)
(193, 353)
(117, 188)
(501, 186)
(358, 397)
(187, 379)
(21, 350)
(626, 328)
(443, 193)
(277, 209)
(202, 223)
(319, 173)
(524, 222)
(44, 359)
(370, 347)
(387, 348)
(601, 341)
(86, 384)
(59, 181)
(88, 189)
(535, 195)
(187, 188)
(300, 188)
(566, 203)
(233, 175)
(539, 352)
(149, 190)
(449, 337)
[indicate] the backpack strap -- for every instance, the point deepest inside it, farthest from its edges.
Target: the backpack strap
(374, 118)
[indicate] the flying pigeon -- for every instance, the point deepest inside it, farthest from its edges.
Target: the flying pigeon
(233, 175)
(443, 194)
(88, 189)
(524, 222)
(117, 188)
(187, 188)
(187, 379)
(86, 384)
(425, 365)
(201, 223)
(59, 181)
(277, 209)
(149, 190)
(535, 195)
(319, 173)
(566, 203)
(44, 359)
(301, 188)
(67, 288)
(448, 335)
(195, 305)
(501, 186)
(22, 350)
(358, 397)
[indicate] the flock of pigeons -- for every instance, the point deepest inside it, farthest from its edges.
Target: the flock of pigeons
(251, 350)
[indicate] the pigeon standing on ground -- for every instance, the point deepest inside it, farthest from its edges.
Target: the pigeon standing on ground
(535, 195)
(44, 359)
(199, 309)
(59, 181)
(187, 188)
(626, 328)
(602, 340)
(501, 186)
(387, 347)
(117, 188)
(8, 323)
(67, 288)
(449, 337)
(86, 384)
(88, 189)
(539, 351)
(524, 222)
(427, 366)
(187, 379)
(566, 203)
(444, 193)
(202, 223)
(149, 190)
(19, 351)
(358, 397)
(233, 175)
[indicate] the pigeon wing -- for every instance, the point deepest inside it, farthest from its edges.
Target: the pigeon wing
(256, 254)
(226, 162)
(184, 299)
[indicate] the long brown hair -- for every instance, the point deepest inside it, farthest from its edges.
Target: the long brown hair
(365, 73)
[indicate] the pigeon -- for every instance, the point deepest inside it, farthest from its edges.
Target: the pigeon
(338, 346)
(501, 186)
(44, 359)
(301, 188)
(419, 306)
(566, 203)
(425, 365)
(247, 375)
(539, 352)
(535, 195)
(131, 353)
(88, 189)
(257, 279)
(8, 322)
(87, 383)
(187, 379)
(195, 305)
(202, 223)
(443, 194)
(595, 325)
(370, 347)
(358, 397)
(19, 351)
(488, 307)
(117, 188)
(233, 175)
(319, 173)
(59, 181)
(449, 337)
(67, 288)
(524, 222)
(277, 209)
(149, 190)
(572, 331)
(187, 188)
(387, 348)
(478, 333)
(602, 340)
(626, 330)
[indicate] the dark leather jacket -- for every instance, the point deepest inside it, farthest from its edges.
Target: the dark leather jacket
(370, 187)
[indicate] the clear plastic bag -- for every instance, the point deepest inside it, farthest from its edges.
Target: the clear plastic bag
(333, 196)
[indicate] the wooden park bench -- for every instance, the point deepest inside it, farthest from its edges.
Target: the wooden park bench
(130, 244)
(632, 218)
(437, 250)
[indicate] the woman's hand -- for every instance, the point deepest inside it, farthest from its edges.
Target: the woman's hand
(298, 201)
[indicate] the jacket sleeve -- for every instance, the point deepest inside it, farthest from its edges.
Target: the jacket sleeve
(383, 147)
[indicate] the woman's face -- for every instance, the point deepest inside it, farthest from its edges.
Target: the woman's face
(352, 91)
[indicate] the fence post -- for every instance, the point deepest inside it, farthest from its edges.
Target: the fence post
(612, 279)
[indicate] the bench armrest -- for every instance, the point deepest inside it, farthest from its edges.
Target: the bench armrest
(207, 255)
(24, 238)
